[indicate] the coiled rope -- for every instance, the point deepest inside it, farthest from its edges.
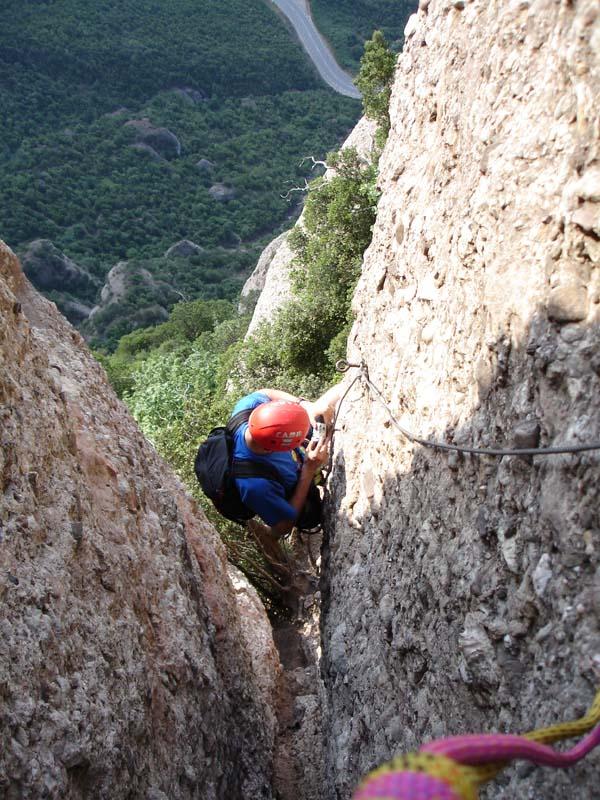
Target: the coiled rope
(343, 366)
(455, 768)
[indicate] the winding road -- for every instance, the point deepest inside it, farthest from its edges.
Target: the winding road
(298, 13)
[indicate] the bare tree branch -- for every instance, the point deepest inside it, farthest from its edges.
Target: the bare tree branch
(307, 185)
(304, 188)
(315, 162)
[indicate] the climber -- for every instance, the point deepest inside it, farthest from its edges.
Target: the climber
(294, 499)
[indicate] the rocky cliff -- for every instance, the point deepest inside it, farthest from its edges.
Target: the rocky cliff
(126, 666)
(463, 593)
(460, 593)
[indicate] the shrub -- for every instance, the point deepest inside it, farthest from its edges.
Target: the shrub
(375, 79)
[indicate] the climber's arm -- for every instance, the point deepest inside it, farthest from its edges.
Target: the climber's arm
(316, 456)
(276, 394)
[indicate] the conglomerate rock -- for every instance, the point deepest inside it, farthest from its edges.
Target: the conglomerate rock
(255, 284)
(125, 665)
(276, 281)
(463, 593)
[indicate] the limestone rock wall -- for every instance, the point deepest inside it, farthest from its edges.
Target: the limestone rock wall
(125, 666)
(255, 284)
(276, 289)
(462, 593)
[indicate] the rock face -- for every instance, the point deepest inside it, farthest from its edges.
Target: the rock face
(50, 269)
(160, 140)
(123, 283)
(463, 593)
(276, 281)
(255, 284)
(183, 249)
(125, 668)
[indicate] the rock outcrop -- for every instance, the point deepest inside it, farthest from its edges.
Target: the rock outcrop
(126, 669)
(121, 291)
(204, 165)
(191, 95)
(276, 280)
(183, 249)
(463, 593)
(49, 269)
(272, 275)
(222, 193)
(255, 285)
(160, 140)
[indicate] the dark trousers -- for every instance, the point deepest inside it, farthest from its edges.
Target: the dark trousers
(311, 514)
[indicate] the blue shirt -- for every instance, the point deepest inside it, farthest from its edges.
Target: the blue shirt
(265, 497)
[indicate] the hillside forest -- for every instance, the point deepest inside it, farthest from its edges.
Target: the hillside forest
(130, 125)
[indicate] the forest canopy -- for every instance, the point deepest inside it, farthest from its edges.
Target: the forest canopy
(131, 125)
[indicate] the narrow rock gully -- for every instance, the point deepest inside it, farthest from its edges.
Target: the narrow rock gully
(299, 762)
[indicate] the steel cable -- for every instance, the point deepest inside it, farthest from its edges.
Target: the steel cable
(344, 366)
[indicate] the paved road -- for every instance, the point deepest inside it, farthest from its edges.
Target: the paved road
(298, 13)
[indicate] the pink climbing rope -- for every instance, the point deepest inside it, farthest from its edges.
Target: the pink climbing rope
(416, 786)
(454, 768)
(481, 749)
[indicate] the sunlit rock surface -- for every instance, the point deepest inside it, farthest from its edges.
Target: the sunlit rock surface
(126, 669)
(461, 593)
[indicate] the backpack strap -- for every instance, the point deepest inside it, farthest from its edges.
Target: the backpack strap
(244, 468)
(237, 420)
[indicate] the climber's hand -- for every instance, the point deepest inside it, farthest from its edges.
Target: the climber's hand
(316, 454)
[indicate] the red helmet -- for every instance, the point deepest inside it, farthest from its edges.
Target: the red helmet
(279, 425)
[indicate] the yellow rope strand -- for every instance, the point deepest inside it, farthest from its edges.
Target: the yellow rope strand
(564, 730)
(553, 733)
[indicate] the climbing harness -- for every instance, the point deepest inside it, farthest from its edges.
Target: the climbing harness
(455, 768)
(363, 375)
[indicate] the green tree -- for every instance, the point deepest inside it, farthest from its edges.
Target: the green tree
(375, 79)
(338, 222)
(297, 350)
(192, 319)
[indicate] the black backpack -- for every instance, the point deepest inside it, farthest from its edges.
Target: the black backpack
(216, 469)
